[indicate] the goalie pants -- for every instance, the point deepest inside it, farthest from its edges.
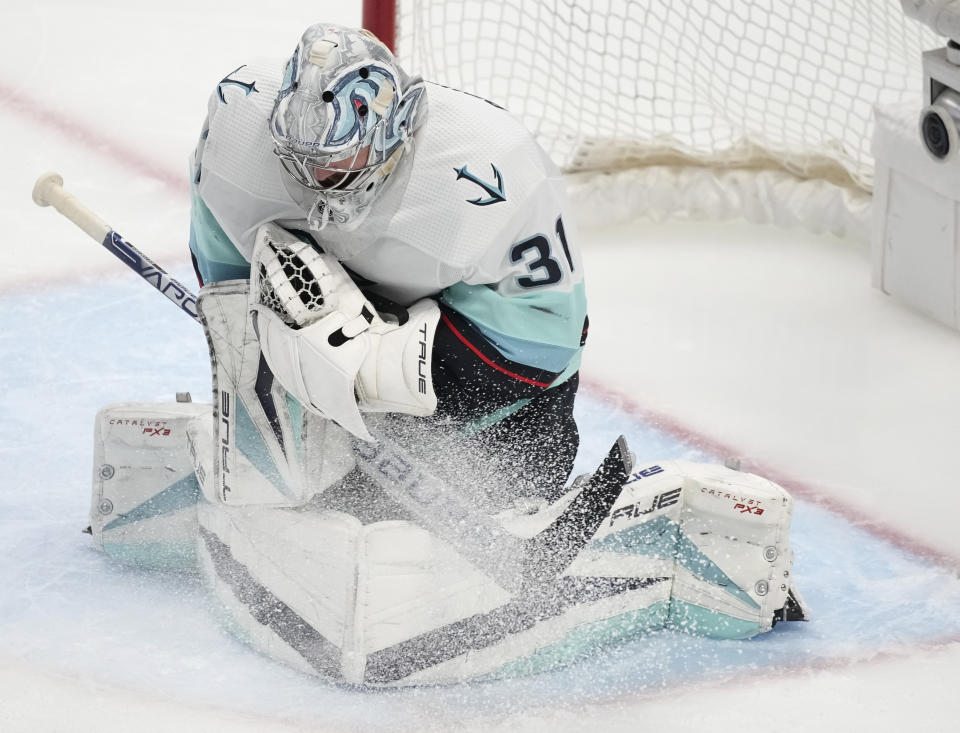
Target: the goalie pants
(539, 442)
(475, 384)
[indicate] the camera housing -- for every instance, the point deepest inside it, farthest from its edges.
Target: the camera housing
(915, 237)
(940, 116)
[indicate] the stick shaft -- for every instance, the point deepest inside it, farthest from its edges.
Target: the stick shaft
(171, 288)
(49, 191)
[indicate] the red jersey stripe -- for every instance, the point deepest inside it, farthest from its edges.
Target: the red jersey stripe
(487, 361)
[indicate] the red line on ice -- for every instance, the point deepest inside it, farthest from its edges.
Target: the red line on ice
(93, 139)
(797, 488)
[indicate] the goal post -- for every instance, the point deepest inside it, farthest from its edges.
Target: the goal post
(380, 18)
(692, 108)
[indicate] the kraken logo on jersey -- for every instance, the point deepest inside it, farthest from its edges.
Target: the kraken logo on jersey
(496, 193)
(248, 87)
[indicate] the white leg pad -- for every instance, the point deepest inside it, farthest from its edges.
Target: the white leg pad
(699, 548)
(144, 505)
(721, 535)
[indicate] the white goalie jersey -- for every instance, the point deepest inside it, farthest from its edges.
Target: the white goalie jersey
(477, 217)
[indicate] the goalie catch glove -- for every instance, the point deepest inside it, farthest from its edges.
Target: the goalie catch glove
(325, 342)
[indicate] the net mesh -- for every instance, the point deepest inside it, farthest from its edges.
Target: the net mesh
(615, 84)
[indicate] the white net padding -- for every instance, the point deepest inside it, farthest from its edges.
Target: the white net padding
(666, 87)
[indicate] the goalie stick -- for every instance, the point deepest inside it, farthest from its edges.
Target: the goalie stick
(542, 558)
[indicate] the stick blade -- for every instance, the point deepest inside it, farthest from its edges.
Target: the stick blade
(549, 553)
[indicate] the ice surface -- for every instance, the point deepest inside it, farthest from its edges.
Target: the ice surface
(78, 613)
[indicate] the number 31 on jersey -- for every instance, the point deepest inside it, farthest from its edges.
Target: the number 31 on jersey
(542, 267)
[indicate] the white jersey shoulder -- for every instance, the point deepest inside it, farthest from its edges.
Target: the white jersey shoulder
(478, 183)
(479, 170)
(234, 167)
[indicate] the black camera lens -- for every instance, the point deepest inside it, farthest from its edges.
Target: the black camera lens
(935, 135)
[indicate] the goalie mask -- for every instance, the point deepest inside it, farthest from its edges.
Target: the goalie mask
(342, 123)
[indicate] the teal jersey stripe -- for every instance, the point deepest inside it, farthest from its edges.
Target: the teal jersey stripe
(539, 329)
(217, 257)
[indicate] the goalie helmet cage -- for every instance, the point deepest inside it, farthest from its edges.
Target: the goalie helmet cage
(704, 109)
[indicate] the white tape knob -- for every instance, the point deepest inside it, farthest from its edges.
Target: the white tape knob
(45, 185)
(49, 191)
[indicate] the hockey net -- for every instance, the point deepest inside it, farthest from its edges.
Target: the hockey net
(695, 108)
